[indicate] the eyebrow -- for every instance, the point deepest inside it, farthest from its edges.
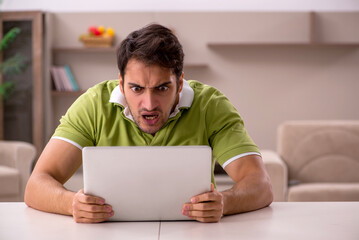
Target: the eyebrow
(134, 85)
(160, 85)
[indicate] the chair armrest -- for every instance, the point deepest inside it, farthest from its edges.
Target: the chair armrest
(19, 155)
(278, 173)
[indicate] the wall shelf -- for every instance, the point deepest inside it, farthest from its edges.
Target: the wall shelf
(55, 93)
(309, 44)
(328, 29)
(195, 65)
(57, 50)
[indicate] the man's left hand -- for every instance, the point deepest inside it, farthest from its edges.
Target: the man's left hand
(206, 207)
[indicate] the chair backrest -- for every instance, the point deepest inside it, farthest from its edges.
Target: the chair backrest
(20, 156)
(320, 151)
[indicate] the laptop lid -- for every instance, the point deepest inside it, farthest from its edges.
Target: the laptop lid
(148, 183)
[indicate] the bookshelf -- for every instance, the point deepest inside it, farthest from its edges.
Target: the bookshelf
(92, 53)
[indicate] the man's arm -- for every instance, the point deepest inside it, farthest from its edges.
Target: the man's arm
(45, 190)
(252, 190)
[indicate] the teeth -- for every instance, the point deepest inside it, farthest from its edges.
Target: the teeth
(150, 117)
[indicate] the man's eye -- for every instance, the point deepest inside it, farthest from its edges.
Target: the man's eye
(136, 89)
(162, 88)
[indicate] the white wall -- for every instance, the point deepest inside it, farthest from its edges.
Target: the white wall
(181, 5)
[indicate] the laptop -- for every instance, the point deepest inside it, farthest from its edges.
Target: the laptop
(148, 183)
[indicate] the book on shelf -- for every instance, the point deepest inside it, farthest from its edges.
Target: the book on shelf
(71, 77)
(56, 79)
(63, 78)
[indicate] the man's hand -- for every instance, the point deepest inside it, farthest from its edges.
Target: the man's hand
(206, 207)
(90, 209)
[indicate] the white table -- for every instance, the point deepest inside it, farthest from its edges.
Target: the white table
(321, 220)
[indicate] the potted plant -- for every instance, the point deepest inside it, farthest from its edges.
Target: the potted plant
(13, 65)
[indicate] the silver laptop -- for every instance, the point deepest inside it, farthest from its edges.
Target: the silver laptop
(147, 183)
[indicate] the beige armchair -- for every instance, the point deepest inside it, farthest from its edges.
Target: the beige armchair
(15, 166)
(315, 161)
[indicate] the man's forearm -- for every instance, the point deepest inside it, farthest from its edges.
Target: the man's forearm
(251, 193)
(44, 193)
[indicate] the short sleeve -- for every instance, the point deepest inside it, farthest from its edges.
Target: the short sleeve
(77, 125)
(228, 136)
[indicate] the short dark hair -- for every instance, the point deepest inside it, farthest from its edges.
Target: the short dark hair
(153, 44)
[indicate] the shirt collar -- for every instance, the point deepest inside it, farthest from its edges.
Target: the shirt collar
(185, 99)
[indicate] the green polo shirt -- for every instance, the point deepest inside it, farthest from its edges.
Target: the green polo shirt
(203, 116)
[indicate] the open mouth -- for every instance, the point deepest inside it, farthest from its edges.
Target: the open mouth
(150, 117)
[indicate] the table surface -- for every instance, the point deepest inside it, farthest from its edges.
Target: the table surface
(282, 220)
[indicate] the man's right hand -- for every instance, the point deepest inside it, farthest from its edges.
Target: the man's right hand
(90, 209)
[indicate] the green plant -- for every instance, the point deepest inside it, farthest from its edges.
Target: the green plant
(11, 66)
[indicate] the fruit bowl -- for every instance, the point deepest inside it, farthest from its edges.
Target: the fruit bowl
(98, 37)
(96, 41)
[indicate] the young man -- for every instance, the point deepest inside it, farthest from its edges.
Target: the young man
(150, 104)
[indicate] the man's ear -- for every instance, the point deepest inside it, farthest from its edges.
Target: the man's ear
(121, 83)
(180, 83)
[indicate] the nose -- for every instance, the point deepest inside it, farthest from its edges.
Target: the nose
(149, 101)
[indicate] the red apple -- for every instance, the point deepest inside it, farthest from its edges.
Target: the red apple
(96, 32)
(92, 30)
